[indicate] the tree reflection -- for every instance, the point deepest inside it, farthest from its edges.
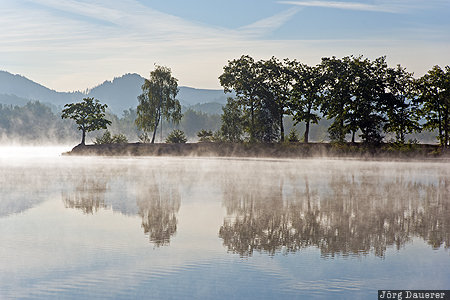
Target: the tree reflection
(158, 203)
(345, 215)
(88, 196)
(151, 194)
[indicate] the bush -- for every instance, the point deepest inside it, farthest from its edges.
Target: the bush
(176, 137)
(119, 139)
(293, 137)
(144, 138)
(106, 138)
(205, 135)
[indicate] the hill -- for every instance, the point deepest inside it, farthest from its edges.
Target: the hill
(26, 89)
(120, 93)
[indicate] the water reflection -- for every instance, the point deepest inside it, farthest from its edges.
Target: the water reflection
(88, 194)
(341, 215)
(152, 194)
(158, 205)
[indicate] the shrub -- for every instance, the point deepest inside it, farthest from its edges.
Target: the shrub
(293, 137)
(144, 138)
(176, 137)
(119, 139)
(106, 138)
(205, 135)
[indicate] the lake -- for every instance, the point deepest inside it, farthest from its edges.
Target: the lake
(217, 228)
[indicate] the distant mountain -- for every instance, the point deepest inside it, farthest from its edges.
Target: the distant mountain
(120, 93)
(13, 100)
(22, 87)
(211, 108)
(190, 96)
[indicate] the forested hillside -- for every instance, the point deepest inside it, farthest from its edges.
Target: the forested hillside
(119, 94)
(35, 122)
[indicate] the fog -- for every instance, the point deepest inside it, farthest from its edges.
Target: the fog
(366, 199)
(107, 214)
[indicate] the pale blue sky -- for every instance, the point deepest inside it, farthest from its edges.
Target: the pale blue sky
(76, 44)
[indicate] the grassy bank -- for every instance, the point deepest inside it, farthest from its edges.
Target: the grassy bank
(287, 150)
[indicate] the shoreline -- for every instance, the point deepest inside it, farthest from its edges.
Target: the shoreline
(275, 150)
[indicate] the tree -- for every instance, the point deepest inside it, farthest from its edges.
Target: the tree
(232, 122)
(353, 97)
(176, 137)
(242, 76)
(434, 89)
(89, 115)
(337, 94)
(158, 100)
(365, 107)
(306, 95)
(259, 94)
(401, 109)
(277, 86)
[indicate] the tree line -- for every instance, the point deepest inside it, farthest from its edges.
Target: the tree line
(359, 95)
(33, 122)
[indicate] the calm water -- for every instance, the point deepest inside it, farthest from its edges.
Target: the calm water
(174, 228)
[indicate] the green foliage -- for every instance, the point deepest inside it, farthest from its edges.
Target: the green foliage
(106, 138)
(353, 92)
(434, 96)
(243, 77)
(120, 139)
(276, 92)
(217, 136)
(144, 138)
(205, 135)
(158, 101)
(306, 95)
(337, 95)
(125, 124)
(410, 146)
(261, 94)
(337, 131)
(89, 115)
(34, 122)
(176, 137)
(194, 121)
(232, 128)
(401, 109)
(293, 137)
(267, 125)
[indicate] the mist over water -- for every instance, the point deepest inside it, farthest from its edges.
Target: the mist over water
(77, 227)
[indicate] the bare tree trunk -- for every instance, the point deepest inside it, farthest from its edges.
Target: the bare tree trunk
(306, 136)
(252, 126)
(281, 127)
(83, 136)
(446, 128)
(156, 127)
(157, 117)
(441, 136)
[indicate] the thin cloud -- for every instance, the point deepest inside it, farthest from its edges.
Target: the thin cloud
(92, 40)
(344, 5)
(270, 24)
(69, 45)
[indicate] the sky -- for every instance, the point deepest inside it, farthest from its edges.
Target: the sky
(70, 45)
